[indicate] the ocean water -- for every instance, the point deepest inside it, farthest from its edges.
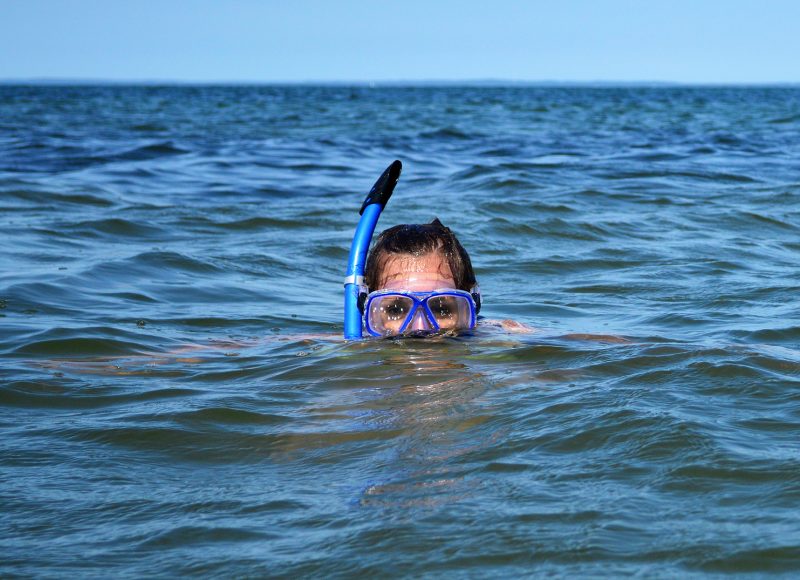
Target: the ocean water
(176, 399)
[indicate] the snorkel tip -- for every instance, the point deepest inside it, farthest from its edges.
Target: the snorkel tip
(383, 188)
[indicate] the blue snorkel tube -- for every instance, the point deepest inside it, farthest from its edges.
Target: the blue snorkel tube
(354, 279)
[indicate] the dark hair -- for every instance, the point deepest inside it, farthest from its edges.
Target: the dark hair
(420, 239)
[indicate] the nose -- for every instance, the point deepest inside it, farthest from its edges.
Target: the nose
(420, 321)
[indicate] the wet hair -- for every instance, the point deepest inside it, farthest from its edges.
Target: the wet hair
(419, 240)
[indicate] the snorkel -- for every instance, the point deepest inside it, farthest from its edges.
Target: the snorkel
(370, 211)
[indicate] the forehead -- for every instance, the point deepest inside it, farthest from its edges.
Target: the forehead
(404, 270)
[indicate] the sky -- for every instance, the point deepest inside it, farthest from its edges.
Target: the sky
(686, 41)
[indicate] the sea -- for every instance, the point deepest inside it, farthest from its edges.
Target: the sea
(176, 397)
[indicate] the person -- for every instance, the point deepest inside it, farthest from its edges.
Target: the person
(419, 279)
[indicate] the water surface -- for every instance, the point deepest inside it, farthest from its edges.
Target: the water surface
(176, 398)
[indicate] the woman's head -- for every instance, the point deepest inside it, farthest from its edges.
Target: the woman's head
(419, 257)
(419, 279)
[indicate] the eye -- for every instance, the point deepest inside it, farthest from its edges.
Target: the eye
(394, 310)
(442, 307)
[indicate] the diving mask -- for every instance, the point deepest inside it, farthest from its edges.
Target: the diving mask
(395, 312)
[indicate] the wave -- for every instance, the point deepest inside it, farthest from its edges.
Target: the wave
(446, 134)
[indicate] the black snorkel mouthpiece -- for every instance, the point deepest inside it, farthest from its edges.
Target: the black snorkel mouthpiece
(383, 188)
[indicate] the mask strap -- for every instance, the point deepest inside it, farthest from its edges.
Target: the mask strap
(475, 291)
(363, 292)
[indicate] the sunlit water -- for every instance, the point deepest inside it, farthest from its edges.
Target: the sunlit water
(176, 398)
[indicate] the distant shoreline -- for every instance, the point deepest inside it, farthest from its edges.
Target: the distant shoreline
(488, 83)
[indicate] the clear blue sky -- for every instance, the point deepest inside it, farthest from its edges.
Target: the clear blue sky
(696, 41)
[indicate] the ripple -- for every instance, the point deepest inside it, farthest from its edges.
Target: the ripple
(145, 153)
(258, 223)
(169, 261)
(80, 347)
(774, 559)
(446, 134)
(786, 334)
(149, 128)
(717, 177)
(229, 416)
(48, 395)
(188, 535)
(41, 197)
(785, 120)
(114, 227)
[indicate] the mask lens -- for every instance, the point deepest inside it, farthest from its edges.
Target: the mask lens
(450, 311)
(387, 313)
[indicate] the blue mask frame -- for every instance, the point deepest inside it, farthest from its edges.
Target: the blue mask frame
(421, 301)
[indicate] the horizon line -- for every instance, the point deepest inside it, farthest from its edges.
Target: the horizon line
(392, 82)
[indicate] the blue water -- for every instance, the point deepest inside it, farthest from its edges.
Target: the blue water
(176, 398)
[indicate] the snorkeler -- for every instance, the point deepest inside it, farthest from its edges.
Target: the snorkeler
(417, 279)
(423, 281)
